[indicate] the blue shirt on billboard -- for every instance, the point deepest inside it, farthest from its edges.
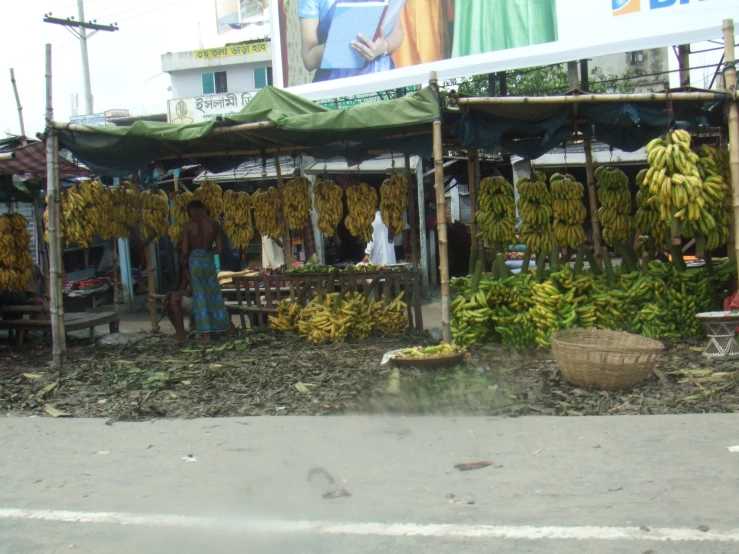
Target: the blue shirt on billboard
(323, 10)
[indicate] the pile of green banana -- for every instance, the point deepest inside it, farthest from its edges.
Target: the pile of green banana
(659, 302)
(615, 201)
(497, 214)
(569, 210)
(535, 209)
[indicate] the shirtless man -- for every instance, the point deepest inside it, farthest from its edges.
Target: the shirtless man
(199, 234)
(177, 305)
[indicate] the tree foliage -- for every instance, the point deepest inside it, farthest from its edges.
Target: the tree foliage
(547, 80)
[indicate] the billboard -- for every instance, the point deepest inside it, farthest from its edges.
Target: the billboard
(334, 48)
(238, 14)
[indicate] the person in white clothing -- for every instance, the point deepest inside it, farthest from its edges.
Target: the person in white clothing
(380, 250)
(273, 256)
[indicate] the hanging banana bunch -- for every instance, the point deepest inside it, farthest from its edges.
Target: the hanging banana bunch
(78, 216)
(647, 218)
(394, 202)
(535, 208)
(15, 256)
(268, 213)
(329, 205)
(497, 214)
(238, 225)
(615, 201)
(298, 206)
(179, 214)
(211, 195)
(154, 214)
(361, 200)
(568, 209)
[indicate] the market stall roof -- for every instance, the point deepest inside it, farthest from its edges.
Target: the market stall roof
(252, 170)
(273, 121)
(574, 156)
(31, 159)
(531, 127)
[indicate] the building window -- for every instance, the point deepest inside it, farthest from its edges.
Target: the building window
(637, 57)
(215, 83)
(262, 77)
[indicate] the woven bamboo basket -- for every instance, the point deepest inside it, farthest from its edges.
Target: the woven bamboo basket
(605, 360)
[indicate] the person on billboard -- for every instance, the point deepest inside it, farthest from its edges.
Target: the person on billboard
(427, 33)
(482, 26)
(344, 38)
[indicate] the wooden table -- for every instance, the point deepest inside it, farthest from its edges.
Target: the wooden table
(75, 321)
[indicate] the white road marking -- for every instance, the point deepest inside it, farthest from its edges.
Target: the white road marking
(518, 532)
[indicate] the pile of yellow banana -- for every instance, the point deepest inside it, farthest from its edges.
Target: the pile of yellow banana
(569, 210)
(328, 317)
(15, 257)
(211, 195)
(154, 214)
(438, 350)
(329, 205)
(298, 205)
(615, 201)
(268, 212)
(394, 202)
(535, 209)
(361, 200)
(674, 179)
(497, 214)
(238, 225)
(179, 214)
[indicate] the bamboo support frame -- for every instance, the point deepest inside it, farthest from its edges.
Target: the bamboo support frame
(412, 219)
(590, 98)
(733, 123)
(442, 233)
(113, 244)
(286, 241)
(592, 196)
(52, 192)
(472, 181)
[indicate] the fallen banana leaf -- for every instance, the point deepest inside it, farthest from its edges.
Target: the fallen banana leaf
(54, 412)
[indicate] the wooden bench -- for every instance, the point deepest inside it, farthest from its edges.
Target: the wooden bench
(75, 321)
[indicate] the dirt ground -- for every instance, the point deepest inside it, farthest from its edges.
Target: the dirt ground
(268, 374)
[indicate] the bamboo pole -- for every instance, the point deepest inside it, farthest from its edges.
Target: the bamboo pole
(60, 249)
(286, 241)
(441, 226)
(412, 219)
(52, 185)
(591, 98)
(592, 196)
(472, 183)
(113, 243)
(18, 105)
(151, 287)
(733, 123)
(43, 251)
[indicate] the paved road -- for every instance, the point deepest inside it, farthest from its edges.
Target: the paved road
(605, 485)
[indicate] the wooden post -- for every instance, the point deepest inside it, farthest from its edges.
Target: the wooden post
(572, 75)
(52, 191)
(472, 183)
(286, 244)
(733, 123)
(113, 244)
(423, 259)
(18, 105)
(592, 195)
(412, 219)
(584, 76)
(441, 226)
(151, 287)
(39, 217)
(683, 58)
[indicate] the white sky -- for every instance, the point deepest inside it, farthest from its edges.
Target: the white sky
(125, 65)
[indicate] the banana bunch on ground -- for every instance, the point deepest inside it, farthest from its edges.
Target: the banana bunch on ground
(472, 321)
(268, 212)
(329, 205)
(154, 214)
(179, 214)
(418, 352)
(535, 209)
(297, 205)
(211, 195)
(497, 214)
(361, 200)
(392, 318)
(238, 225)
(394, 202)
(647, 218)
(552, 311)
(15, 256)
(286, 319)
(615, 201)
(717, 197)
(674, 179)
(360, 309)
(568, 209)
(322, 320)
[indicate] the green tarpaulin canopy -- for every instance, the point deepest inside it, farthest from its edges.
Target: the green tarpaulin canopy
(276, 120)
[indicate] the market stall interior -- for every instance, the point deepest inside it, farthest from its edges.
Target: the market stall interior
(685, 193)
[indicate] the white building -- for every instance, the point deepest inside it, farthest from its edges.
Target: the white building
(212, 82)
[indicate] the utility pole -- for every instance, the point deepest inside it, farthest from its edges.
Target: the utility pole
(79, 29)
(683, 59)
